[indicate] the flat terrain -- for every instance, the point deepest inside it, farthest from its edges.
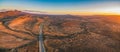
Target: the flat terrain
(19, 32)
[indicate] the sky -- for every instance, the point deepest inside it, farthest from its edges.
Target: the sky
(77, 7)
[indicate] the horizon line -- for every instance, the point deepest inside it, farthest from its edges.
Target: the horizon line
(66, 13)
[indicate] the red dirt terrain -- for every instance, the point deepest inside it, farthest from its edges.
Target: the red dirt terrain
(19, 32)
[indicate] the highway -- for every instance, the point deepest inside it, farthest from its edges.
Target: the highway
(41, 42)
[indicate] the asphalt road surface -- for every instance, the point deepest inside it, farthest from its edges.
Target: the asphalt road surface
(41, 42)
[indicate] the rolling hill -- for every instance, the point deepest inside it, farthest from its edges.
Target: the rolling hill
(19, 32)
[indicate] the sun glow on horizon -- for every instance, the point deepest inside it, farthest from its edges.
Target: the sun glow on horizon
(88, 13)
